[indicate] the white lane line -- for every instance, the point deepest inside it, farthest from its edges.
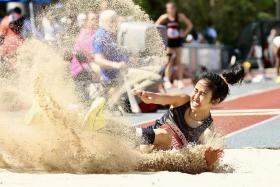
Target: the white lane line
(252, 126)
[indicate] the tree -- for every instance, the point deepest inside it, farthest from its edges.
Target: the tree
(152, 7)
(2, 10)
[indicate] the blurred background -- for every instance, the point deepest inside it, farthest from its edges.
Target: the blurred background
(239, 24)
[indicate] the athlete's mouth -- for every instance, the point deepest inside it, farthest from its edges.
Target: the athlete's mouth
(195, 103)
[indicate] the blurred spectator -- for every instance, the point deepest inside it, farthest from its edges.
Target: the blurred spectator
(256, 53)
(210, 33)
(48, 30)
(111, 59)
(194, 37)
(10, 33)
(175, 34)
(26, 30)
(81, 19)
(67, 24)
(83, 70)
(10, 39)
(53, 28)
(272, 35)
(107, 53)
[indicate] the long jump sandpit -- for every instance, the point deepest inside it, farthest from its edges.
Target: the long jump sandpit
(239, 167)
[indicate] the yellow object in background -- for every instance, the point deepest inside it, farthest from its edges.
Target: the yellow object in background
(95, 117)
(277, 80)
(247, 65)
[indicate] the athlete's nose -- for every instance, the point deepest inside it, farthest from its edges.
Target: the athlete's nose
(196, 96)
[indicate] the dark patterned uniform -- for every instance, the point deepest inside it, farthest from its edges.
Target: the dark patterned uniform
(174, 120)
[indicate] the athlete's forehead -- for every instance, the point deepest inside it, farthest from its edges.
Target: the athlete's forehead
(202, 85)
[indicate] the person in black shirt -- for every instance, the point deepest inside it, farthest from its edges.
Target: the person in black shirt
(175, 35)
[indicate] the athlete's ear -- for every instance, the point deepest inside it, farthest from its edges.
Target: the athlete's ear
(215, 101)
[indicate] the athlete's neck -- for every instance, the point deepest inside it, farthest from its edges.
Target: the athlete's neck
(199, 115)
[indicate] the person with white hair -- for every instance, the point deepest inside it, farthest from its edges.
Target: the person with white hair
(107, 54)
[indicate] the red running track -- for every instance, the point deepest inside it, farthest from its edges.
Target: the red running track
(264, 100)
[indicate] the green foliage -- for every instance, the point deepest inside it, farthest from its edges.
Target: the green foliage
(2, 9)
(152, 7)
(228, 16)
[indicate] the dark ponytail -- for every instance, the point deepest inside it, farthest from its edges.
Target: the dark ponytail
(219, 84)
(234, 75)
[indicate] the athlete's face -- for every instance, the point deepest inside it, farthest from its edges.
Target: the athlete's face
(201, 96)
(170, 9)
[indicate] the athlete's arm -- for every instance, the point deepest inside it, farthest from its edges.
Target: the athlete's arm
(189, 25)
(161, 19)
(174, 99)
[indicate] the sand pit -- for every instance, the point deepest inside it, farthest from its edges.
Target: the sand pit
(242, 167)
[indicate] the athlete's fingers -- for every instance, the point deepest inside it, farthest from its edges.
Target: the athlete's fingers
(215, 150)
(144, 94)
(137, 92)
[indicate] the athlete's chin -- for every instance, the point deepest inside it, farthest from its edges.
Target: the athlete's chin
(194, 107)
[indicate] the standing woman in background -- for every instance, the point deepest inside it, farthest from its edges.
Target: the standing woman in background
(172, 20)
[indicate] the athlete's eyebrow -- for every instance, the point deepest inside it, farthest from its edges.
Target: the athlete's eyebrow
(202, 90)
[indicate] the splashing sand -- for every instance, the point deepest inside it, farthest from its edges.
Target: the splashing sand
(56, 140)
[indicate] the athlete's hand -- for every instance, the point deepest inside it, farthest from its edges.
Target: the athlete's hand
(144, 96)
(211, 156)
(137, 92)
